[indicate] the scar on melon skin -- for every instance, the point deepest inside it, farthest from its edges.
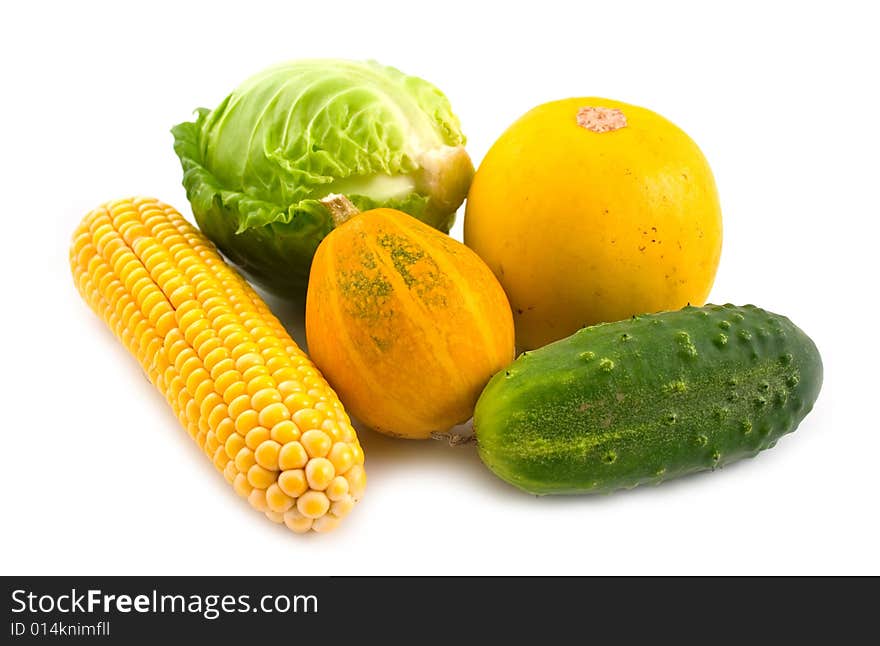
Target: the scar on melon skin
(601, 119)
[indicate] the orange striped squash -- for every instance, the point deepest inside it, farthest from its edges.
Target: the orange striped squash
(407, 324)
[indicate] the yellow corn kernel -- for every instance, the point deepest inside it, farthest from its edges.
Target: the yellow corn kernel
(265, 396)
(224, 363)
(220, 458)
(317, 443)
(209, 402)
(337, 489)
(341, 456)
(260, 331)
(223, 428)
(257, 499)
(326, 523)
(234, 444)
(192, 414)
(342, 506)
(277, 500)
(257, 375)
(356, 451)
(195, 380)
(244, 346)
(256, 436)
(233, 337)
(331, 427)
(242, 486)
(245, 349)
(284, 432)
(236, 386)
(274, 516)
(274, 362)
(288, 374)
(211, 443)
(289, 387)
(357, 481)
(292, 456)
(308, 418)
(293, 482)
(260, 477)
(224, 369)
(214, 357)
(297, 401)
(319, 473)
(267, 454)
(313, 504)
(296, 522)
(273, 413)
(247, 420)
(241, 404)
(245, 361)
(244, 459)
(206, 342)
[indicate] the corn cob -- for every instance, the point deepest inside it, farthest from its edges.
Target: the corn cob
(237, 382)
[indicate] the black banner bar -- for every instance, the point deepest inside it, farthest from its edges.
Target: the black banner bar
(132, 610)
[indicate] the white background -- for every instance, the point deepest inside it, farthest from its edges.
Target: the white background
(97, 477)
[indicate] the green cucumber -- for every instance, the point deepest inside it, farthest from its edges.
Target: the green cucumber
(647, 399)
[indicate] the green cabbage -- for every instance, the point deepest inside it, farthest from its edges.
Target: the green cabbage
(256, 167)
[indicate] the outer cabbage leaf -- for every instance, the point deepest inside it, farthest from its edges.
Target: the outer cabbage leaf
(256, 167)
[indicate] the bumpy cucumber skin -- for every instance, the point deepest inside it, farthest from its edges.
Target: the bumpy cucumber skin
(644, 400)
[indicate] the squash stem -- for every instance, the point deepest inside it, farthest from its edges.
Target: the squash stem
(340, 207)
(455, 439)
